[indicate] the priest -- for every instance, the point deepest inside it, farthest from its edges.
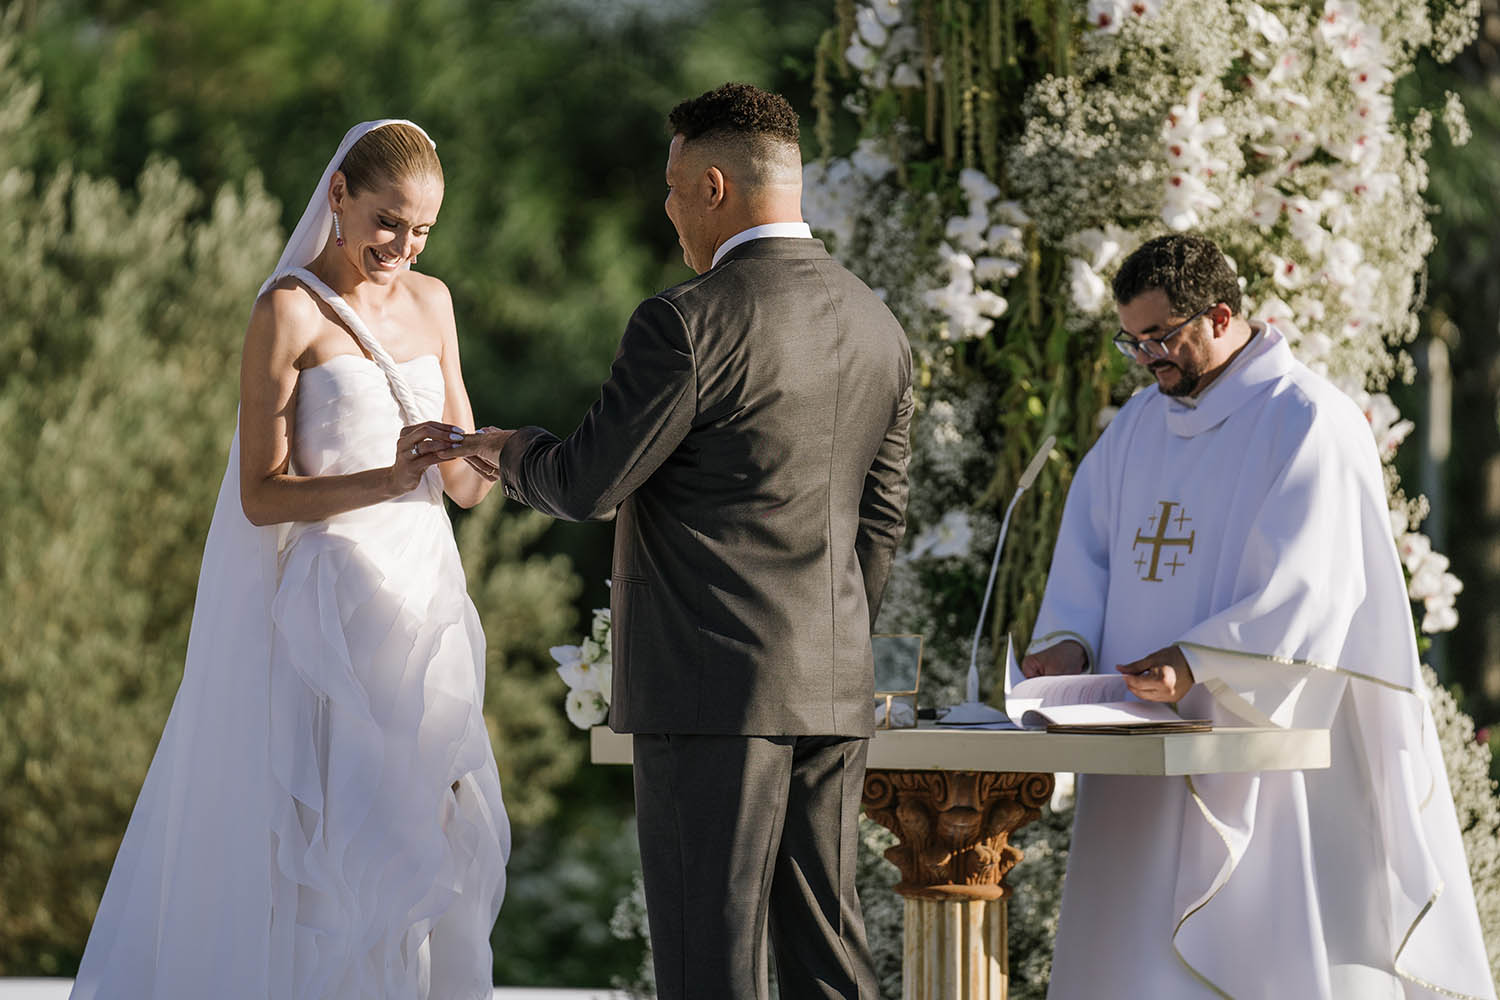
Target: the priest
(1226, 545)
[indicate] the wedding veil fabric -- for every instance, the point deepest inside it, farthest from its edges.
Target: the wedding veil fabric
(231, 828)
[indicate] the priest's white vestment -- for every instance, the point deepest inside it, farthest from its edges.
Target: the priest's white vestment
(1250, 527)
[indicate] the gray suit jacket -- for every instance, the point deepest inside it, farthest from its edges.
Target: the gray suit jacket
(753, 437)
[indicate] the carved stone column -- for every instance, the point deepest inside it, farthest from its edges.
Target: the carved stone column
(953, 855)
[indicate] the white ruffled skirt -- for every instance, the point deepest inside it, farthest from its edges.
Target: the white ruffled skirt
(389, 835)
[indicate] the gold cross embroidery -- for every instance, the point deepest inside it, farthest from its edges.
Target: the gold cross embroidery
(1160, 539)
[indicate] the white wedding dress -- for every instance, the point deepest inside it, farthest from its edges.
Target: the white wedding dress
(323, 817)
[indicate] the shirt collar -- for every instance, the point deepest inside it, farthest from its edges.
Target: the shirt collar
(793, 230)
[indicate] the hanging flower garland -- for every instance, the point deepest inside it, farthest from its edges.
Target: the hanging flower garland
(1010, 155)
(1271, 128)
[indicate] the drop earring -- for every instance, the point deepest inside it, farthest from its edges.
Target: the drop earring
(338, 232)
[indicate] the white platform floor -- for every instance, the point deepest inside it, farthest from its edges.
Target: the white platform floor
(57, 989)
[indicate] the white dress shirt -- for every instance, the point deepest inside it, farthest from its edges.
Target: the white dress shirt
(794, 230)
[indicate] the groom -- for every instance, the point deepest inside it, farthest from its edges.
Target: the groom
(753, 437)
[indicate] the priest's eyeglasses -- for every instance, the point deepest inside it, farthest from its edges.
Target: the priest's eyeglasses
(1154, 348)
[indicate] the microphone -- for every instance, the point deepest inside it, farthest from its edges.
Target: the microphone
(972, 711)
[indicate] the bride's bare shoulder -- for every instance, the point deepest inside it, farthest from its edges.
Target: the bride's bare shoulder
(427, 291)
(284, 318)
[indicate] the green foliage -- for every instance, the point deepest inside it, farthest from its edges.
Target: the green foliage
(1468, 764)
(526, 605)
(119, 344)
(565, 880)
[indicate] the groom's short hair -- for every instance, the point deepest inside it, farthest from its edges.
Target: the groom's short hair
(754, 126)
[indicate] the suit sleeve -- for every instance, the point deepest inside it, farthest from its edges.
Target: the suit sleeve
(644, 410)
(882, 506)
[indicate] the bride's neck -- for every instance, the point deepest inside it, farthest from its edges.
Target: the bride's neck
(335, 271)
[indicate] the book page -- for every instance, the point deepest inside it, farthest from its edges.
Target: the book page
(1082, 700)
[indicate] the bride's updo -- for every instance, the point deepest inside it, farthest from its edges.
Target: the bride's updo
(388, 155)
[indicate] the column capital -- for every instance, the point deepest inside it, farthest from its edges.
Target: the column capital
(954, 827)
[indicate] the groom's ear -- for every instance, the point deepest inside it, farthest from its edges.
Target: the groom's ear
(713, 181)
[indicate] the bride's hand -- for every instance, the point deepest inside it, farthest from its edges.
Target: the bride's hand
(420, 447)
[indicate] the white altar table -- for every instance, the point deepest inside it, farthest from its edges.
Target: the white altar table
(954, 797)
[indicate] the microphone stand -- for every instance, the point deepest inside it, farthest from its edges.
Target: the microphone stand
(971, 711)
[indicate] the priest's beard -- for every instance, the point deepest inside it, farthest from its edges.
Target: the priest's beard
(1189, 375)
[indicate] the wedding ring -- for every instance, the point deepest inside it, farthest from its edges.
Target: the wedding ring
(414, 452)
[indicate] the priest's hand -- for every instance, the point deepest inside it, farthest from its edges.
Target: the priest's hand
(1067, 657)
(1162, 676)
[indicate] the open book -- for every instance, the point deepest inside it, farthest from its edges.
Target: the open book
(1083, 703)
(1091, 703)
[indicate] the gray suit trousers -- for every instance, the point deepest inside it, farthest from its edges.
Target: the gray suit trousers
(745, 835)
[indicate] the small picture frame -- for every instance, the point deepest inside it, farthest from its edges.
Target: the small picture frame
(898, 676)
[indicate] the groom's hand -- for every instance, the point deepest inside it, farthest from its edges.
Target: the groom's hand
(481, 449)
(486, 470)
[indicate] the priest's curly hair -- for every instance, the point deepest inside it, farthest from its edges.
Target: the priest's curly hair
(1190, 269)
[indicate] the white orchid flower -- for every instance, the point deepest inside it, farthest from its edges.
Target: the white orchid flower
(1269, 26)
(1089, 292)
(585, 708)
(977, 187)
(889, 11)
(906, 77)
(1106, 15)
(871, 31)
(1265, 208)
(968, 231)
(1286, 273)
(953, 535)
(1339, 16)
(1443, 618)
(1101, 247)
(988, 270)
(1413, 548)
(860, 57)
(871, 159)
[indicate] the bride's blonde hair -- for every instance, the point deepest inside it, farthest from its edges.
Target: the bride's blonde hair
(390, 154)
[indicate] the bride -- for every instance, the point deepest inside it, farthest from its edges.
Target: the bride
(323, 816)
